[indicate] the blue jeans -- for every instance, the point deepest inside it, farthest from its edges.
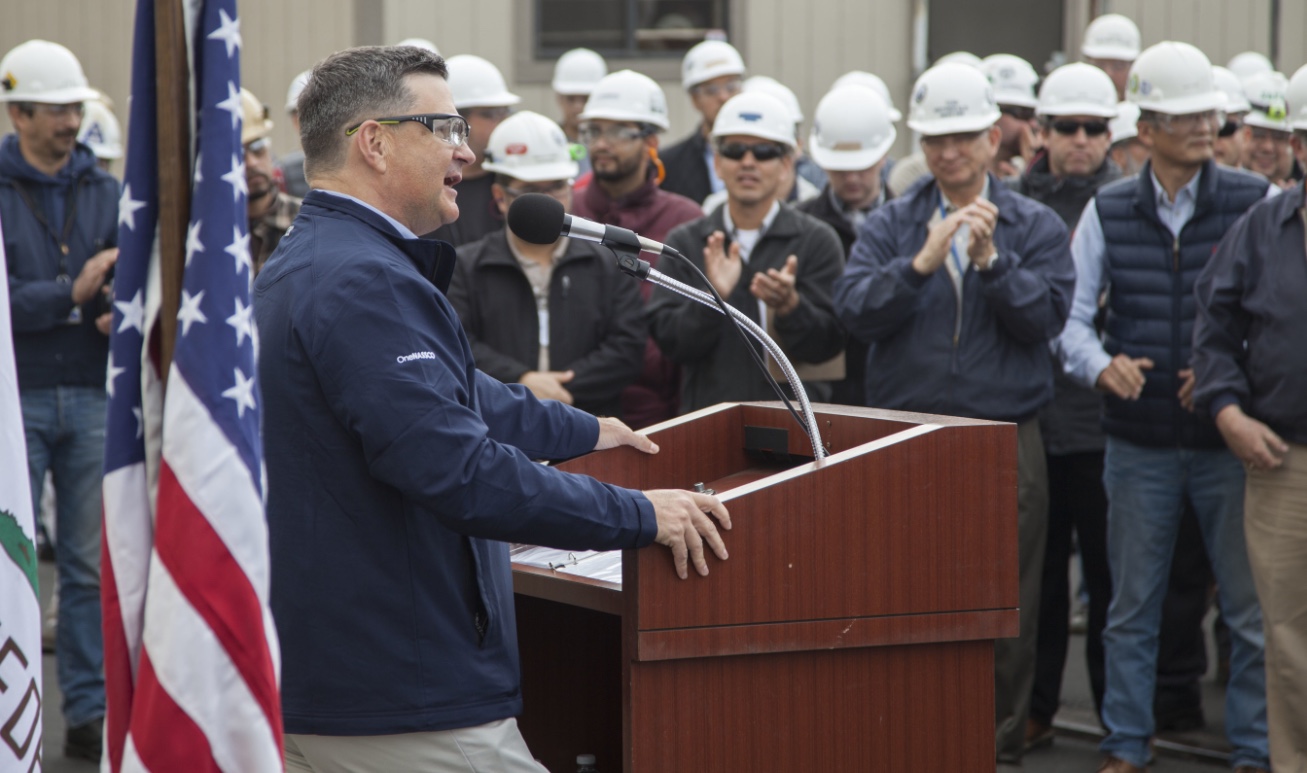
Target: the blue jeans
(65, 434)
(1146, 489)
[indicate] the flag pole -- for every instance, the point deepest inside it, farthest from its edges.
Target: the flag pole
(174, 124)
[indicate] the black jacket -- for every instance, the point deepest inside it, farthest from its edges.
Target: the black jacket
(686, 172)
(1073, 421)
(715, 366)
(596, 326)
(1252, 311)
(853, 389)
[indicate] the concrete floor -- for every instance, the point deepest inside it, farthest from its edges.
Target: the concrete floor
(1073, 751)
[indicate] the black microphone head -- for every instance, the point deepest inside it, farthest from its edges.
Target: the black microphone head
(536, 218)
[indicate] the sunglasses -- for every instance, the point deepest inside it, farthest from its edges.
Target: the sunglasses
(762, 151)
(1229, 128)
(1017, 112)
(450, 128)
(1069, 128)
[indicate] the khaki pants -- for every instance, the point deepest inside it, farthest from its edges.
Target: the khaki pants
(1275, 526)
(496, 747)
(1014, 659)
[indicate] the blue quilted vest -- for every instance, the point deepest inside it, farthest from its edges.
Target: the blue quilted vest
(1151, 307)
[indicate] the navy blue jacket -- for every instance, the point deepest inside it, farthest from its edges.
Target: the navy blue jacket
(396, 474)
(1252, 315)
(1151, 307)
(49, 349)
(999, 367)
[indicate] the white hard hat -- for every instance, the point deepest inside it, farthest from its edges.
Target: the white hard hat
(952, 98)
(1077, 89)
(851, 131)
(627, 95)
(961, 57)
(529, 147)
(1111, 36)
(1297, 96)
(710, 59)
(873, 82)
(777, 89)
(1268, 94)
(100, 131)
(1173, 78)
(476, 82)
(422, 43)
(577, 71)
(296, 88)
(1235, 99)
(1249, 63)
(1124, 125)
(755, 115)
(1014, 79)
(41, 71)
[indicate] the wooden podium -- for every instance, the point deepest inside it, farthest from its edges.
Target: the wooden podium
(851, 629)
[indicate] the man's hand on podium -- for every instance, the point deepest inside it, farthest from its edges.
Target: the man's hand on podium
(613, 433)
(684, 525)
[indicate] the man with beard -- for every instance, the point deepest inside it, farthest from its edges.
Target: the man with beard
(270, 211)
(1014, 82)
(620, 126)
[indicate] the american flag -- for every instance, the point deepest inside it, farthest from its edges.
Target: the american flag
(191, 655)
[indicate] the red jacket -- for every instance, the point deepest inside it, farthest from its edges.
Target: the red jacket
(652, 213)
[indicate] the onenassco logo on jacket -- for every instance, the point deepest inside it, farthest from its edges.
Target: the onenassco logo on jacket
(403, 358)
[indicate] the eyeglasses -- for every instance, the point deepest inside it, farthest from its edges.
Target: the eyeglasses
(1188, 122)
(728, 89)
(1068, 128)
(762, 151)
(58, 111)
(555, 188)
(1262, 133)
(450, 128)
(489, 113)
(1230, 126)
(1018, 112)
(614, 133)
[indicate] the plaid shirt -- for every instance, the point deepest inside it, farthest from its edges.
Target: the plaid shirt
(266, 232)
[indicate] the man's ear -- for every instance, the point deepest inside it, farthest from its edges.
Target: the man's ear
(374, 145)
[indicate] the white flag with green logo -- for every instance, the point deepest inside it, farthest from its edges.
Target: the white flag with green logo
(20, 605)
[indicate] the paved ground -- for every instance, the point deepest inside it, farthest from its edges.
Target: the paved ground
(1073, 751)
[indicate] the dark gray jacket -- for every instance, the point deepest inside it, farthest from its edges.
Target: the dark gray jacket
(1252, 312)
(1073, 421)
(715, 366)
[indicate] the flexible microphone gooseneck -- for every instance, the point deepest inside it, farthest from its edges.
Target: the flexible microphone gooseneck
(540, 219)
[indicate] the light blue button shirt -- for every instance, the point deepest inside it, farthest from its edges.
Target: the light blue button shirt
(403, 230)
(1079, 347)
(713, 179)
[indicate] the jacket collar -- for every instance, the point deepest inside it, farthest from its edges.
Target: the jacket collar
(786, 222)
(1291, 201)
(1040, 177)
(1146, 195)
(13, 165)
(924, 200)
(434, 259)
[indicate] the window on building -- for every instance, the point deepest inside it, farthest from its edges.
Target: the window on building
(626, 28)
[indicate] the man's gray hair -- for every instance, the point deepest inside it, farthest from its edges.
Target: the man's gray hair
(350, 87)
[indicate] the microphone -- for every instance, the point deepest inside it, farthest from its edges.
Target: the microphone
(540, 219)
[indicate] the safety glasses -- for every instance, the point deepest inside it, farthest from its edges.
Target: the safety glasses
(589, 133)
(1230, 127)
(1018, 112)
(450, 128)
(1069, 128)
(762, 151)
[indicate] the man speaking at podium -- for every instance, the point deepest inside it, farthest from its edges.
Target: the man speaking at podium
(396, 470)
